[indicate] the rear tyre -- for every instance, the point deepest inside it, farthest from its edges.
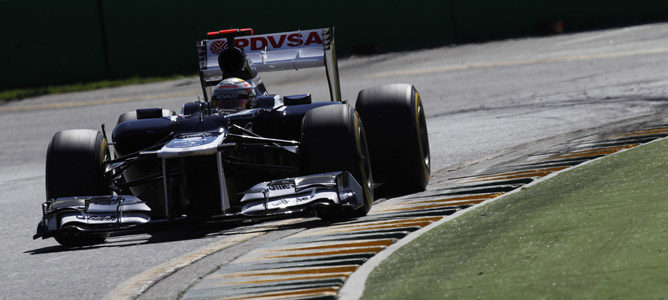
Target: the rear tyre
(333, 139)
(75, 167)
(395, 122)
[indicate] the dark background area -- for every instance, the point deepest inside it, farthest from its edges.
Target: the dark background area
(55, 42)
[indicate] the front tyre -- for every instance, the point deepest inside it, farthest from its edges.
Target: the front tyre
(395, 122)
(333, 139)
(75, 167)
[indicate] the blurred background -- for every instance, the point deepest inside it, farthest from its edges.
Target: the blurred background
(57, 42)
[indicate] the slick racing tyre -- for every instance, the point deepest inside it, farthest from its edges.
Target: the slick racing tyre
(396, 128)
(333, 139)
(74, 167)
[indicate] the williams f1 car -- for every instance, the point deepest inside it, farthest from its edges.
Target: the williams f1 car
(241, 152)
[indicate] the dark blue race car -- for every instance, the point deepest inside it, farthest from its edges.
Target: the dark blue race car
(242, 152)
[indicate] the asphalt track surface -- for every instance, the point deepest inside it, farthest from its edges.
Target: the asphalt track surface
(480, 99)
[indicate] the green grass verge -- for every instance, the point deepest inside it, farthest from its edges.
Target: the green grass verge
(598, 231)
(16, 94)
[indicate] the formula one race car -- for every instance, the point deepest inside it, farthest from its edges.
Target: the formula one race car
(242, 152)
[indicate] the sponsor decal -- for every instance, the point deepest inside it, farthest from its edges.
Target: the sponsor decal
(109, 218)
(279, 202)
(218, 46)
(277, 44)
(102, 218)
(280, 186)
(105, 202)
(288, 201)
(313, 38)
(273, 41)
(189, 142)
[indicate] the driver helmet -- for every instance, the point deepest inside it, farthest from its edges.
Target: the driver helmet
(233, 93)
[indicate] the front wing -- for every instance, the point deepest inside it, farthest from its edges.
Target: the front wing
(92, 213)
(286, 196)
(97, 214)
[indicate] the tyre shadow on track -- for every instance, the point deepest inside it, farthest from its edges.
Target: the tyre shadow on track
(181, 233)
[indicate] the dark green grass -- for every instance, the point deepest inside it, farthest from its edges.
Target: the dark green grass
(597, 231)
(16, 94)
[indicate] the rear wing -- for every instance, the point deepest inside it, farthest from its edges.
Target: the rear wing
(271, 52)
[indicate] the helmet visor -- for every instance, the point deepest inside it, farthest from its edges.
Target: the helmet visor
(230, 103)
(230, 100)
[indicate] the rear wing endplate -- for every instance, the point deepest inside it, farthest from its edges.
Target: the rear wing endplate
(292, 50)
